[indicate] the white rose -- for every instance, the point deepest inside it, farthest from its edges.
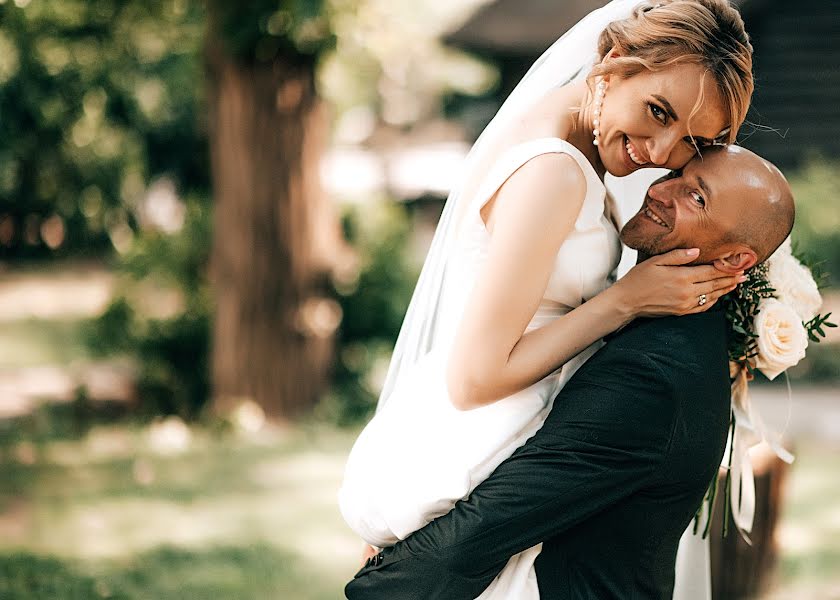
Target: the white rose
(786, 246)
(782, 338)
(794, 285)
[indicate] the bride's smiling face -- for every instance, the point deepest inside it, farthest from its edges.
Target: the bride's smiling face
(645, 119)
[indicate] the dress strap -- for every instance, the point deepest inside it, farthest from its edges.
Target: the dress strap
(516, 156)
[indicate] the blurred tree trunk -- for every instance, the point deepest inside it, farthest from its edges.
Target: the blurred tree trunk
(740, 570)
(275, 234)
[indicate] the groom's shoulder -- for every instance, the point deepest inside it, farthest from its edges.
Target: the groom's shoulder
(668, 357)
(690, 346)
(666, 334)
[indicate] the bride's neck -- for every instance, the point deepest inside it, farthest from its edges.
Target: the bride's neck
(577, 122)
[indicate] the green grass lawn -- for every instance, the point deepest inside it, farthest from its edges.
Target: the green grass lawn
(36, 342)
(112, 515)
(809, 535)
(107, 516)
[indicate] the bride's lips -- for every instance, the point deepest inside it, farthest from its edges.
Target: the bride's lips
(633, 157)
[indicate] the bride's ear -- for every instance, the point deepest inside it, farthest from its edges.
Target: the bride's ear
(736, 262)
(613, 52)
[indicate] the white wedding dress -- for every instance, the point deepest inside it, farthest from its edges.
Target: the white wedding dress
(419, 455)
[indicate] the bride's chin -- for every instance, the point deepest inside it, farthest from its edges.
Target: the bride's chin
(613, 162)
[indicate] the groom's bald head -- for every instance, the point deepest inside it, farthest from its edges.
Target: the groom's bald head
(767, 205)
(731, 203)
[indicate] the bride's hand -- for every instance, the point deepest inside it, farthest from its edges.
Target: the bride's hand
(367, 553)
(662, 286)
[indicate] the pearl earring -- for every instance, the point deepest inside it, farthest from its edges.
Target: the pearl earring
(600, 90)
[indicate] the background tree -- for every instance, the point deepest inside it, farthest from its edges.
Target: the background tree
(276, 237)
(99, 101)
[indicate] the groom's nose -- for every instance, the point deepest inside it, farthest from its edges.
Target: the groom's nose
(662, 192)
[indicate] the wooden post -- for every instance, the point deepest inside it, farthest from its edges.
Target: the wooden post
(741, 570)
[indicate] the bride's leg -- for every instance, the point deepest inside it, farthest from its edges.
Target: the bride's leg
(693, 578)
(517, 580)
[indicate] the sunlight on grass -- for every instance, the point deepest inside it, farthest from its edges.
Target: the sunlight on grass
(119, 514)
(224, 572)
(228, 510)
(809, 535)
(35, 342)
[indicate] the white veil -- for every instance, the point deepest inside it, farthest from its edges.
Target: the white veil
(569, 59)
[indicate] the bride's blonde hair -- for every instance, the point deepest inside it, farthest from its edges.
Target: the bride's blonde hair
(709, 33)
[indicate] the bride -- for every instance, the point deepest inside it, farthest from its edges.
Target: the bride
(517, 290)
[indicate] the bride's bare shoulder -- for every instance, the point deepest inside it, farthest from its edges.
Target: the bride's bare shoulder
(546, 186)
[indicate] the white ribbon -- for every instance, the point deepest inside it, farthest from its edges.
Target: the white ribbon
(750, 431)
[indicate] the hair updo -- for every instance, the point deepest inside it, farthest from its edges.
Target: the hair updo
(709, 33)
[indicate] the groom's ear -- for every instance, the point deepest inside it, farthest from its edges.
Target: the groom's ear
(737, 261)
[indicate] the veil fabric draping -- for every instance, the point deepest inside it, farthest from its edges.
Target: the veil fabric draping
(568, 60)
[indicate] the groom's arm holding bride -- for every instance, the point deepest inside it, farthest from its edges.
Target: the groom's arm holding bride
(606, 438)
(624, 457)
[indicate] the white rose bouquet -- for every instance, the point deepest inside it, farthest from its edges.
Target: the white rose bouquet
(772, 316)
(782, 337)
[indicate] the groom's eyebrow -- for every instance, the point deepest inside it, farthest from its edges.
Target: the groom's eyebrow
(704, 187)
(668, 108)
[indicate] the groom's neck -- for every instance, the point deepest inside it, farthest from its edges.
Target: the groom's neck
(642, 257)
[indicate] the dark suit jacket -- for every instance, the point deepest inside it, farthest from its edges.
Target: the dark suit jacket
(610, 482)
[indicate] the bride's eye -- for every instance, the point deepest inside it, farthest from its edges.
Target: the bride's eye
(658, 113)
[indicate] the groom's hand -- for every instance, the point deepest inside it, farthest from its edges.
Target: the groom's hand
(367, 553)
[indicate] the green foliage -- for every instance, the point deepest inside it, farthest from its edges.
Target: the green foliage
(161, 316)
(96, 98)
(816, 189)
(816, 327)
(173, 351)
(373, 306)
(52, 421)
(741, 306)
(168, 573)
(25, 576)
(259, 30)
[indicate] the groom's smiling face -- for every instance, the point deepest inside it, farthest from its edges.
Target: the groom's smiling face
(705, 205)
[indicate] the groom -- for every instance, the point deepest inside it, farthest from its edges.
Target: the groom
(623, 460)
